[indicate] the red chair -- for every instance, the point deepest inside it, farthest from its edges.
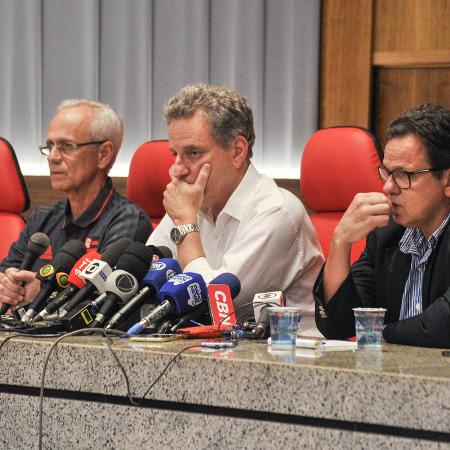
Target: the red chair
(337, 163)
(14, 198)
(149, 176)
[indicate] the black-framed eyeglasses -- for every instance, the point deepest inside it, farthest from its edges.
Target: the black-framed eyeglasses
(402, 178)
(66, 148)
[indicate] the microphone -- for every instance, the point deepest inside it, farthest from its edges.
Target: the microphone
(180, 294)
(262, 328)
(160, 271)
(160, 252)
(53, 276)
(95, 274)
(76, 283)
(36, 246)
(83, 314)
(221, 291)
(120, 286)
(260, 304)
(198, 314)
(123, 283)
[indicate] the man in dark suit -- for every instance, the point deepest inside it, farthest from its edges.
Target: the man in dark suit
(405, 266)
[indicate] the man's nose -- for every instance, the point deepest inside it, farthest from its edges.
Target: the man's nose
(390, 187)
(179, 169)
(54, 156)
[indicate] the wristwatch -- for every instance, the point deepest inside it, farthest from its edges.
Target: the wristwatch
(178, 233)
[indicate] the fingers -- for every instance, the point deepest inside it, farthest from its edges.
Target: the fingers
(363, 210)
(32, 288)
(366, 212)
(11, 292)
(203, 176)
(20, 276)
(173, 172)
(17, 285)
(371, 198)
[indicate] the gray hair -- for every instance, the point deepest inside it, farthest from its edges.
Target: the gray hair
(228, 112)
(106, 123)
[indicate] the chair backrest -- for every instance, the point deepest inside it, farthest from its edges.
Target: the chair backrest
(149, 176)
(337, 163)
(14, 197)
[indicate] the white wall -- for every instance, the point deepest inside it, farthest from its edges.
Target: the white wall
(134, 54)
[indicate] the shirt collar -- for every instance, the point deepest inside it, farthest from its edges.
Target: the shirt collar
(93, 211)
(413, 239)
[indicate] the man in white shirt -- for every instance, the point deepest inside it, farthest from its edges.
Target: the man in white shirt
(222, 215)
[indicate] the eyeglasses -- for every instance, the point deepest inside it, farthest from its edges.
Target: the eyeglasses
(402, 178)
(66, 148)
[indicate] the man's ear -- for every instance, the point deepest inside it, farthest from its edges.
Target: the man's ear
(446, 181)
(240, 152)
(105, 155)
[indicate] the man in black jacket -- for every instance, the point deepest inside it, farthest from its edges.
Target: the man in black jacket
(82, 143)
(405, 266)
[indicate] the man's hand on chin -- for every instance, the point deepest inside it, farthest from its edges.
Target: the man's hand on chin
(182, 200)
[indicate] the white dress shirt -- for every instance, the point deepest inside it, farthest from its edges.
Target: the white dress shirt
(264, 236)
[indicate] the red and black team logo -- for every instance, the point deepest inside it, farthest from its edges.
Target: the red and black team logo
(91, 242)
(47, 254)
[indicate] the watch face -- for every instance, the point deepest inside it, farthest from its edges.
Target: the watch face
(175, 235)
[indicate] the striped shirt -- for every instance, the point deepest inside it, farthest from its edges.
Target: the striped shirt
(413, 242)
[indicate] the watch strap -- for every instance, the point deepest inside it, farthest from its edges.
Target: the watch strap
(188, 228)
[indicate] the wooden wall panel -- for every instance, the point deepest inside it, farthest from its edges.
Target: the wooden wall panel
(418, 25)
(345, 63)
(364, 46)
(400, 89)
(411, 57)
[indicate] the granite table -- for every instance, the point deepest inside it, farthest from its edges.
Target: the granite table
(245, 398)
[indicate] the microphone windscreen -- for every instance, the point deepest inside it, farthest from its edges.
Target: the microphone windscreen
(160, 272)
(185, 290)
(36, 246)
(161, 251)
(38, 243)
(69, 253)
(114, 251)
(136, 260)
(229, 279)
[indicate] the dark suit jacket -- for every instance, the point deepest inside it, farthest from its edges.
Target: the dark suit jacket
(377, 280)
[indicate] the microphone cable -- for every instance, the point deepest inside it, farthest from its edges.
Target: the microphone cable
(106, 333)
(166, 367)
(88, 331)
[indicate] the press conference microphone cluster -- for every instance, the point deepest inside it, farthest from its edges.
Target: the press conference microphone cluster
(218, 308)
(180, 294)
(185, 296)
(37, 245)
(123, 283)
(160, 272)
(80, 288)
(75, 284)
(53, 276)
(105, 281)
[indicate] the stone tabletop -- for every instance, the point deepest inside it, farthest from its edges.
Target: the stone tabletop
(342, 385)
